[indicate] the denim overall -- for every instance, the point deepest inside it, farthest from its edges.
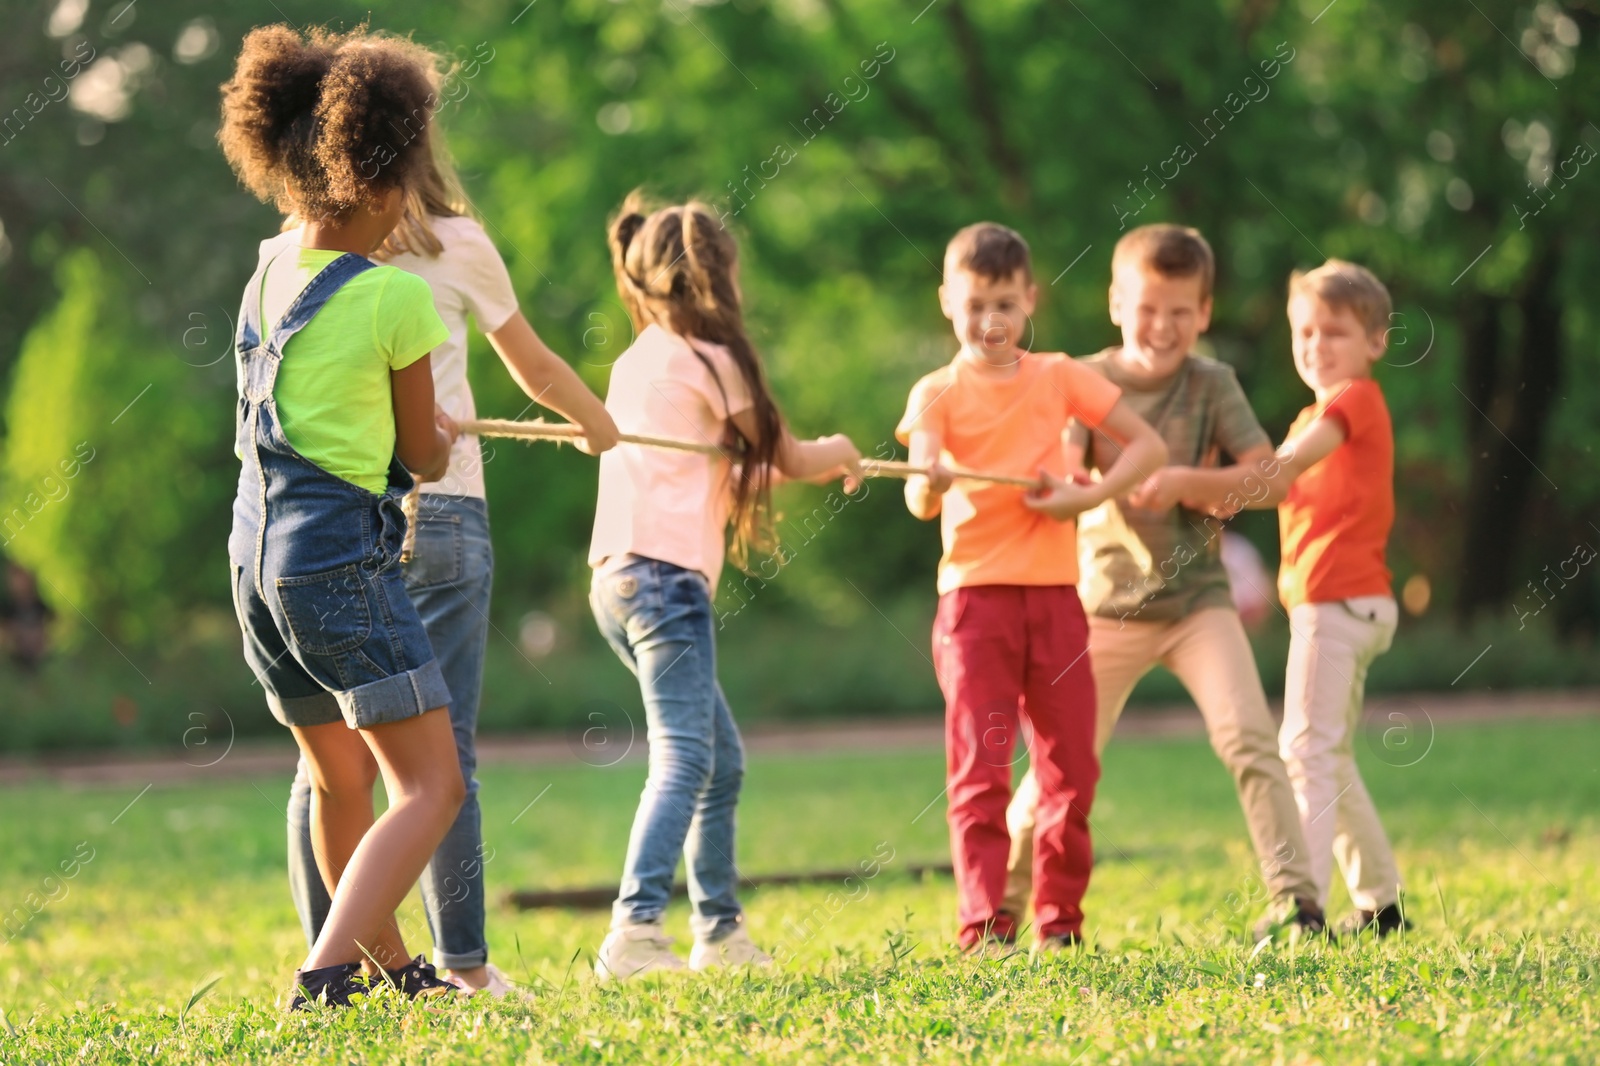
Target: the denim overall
(328, 628)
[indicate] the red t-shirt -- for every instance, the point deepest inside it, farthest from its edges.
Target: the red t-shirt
(1334, 525)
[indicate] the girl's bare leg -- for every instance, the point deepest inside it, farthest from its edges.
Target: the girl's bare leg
(425, 792)
(343, 772)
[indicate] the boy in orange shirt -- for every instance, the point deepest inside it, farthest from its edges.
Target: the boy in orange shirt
(1010, 635)
(1333, 484)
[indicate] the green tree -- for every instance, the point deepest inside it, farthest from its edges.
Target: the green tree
(108, 465)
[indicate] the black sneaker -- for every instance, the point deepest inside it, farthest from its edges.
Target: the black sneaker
(329, 985)
(1298, 916)
(1379, 923)
(418, 979)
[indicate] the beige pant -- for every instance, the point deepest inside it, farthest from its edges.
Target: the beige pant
(1330, 649)
(1210, 654)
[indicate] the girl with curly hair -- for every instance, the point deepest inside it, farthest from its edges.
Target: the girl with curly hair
(451, 571)
(336, 418)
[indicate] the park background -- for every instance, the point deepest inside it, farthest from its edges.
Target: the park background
(1445, 146)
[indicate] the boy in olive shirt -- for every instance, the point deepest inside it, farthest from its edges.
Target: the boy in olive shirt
(1152, 573)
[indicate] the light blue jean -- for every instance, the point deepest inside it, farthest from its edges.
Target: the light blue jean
(448, 579)
(658, 618)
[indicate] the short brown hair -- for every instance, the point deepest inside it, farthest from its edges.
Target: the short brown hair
(989, 250)
(1342, 284)
(1169, 250)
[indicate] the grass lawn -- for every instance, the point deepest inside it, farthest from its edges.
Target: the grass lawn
(1496, 827)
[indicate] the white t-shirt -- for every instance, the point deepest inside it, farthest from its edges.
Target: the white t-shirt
(467, 277)
(668, 505)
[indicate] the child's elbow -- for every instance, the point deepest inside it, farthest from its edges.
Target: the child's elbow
(1159, 452)
(427, 464)
(792, 466)
(1277, 492)
(923, 505)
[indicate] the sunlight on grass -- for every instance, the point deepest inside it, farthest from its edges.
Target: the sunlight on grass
(1495, 830)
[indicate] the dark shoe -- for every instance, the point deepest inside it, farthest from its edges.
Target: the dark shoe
(418, 979)
(330, 985)
(1298, 917)
(1380, 923)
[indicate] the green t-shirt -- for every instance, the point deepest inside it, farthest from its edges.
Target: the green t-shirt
(1160, 566)
(333, 393)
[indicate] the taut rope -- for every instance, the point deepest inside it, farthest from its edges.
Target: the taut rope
(565, 432)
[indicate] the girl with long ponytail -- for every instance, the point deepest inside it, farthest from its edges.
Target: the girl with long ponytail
(660, 530)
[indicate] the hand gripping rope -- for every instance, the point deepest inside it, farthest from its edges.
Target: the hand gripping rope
(560, 432)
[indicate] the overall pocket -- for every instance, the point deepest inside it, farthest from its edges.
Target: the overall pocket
(328, 613)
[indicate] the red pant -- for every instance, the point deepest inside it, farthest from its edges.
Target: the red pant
(1000, 650)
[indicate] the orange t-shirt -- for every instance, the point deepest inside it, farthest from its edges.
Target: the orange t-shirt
(1016, 426)
(1335, 522)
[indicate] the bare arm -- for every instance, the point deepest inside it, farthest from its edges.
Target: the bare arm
(421, 441)
(925, 492)
(804, 460)
(1142, 453)
(1259, 482)
(548, 380)
(1171, 485)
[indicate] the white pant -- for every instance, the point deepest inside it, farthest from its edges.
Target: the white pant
(1331, 647)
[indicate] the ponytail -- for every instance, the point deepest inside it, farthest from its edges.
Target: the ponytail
(676, 266)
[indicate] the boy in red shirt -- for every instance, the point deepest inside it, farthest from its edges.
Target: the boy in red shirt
(1333, 484)
(1010, 635)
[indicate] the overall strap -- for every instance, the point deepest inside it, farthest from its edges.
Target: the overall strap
(312, 298)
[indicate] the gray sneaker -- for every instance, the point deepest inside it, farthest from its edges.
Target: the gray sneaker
(635, 948)
(735, 949)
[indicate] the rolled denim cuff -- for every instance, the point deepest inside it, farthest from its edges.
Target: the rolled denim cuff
(394, 699)
(319, 708)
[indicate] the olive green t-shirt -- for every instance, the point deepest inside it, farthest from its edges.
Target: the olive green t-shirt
(333, 393)
(1153, 566)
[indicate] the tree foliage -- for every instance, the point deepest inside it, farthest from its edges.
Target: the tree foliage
(1448, 148)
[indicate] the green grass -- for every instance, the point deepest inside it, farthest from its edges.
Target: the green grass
(1495, 828)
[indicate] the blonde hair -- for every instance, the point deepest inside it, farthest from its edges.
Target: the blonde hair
(1170, 251)
(676, 266)
(436, 193)
(1342, 284)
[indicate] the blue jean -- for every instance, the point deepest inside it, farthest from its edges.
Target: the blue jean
(448, 579)
(658, 618)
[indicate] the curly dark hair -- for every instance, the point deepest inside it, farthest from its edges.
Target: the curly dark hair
(322, 122)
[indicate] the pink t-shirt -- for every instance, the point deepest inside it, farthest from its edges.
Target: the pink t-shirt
(663, 504)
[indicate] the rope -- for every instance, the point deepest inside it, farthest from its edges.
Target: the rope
(563, 431)
(566, 432)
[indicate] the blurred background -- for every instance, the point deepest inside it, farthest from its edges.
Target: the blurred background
(1449, 147)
